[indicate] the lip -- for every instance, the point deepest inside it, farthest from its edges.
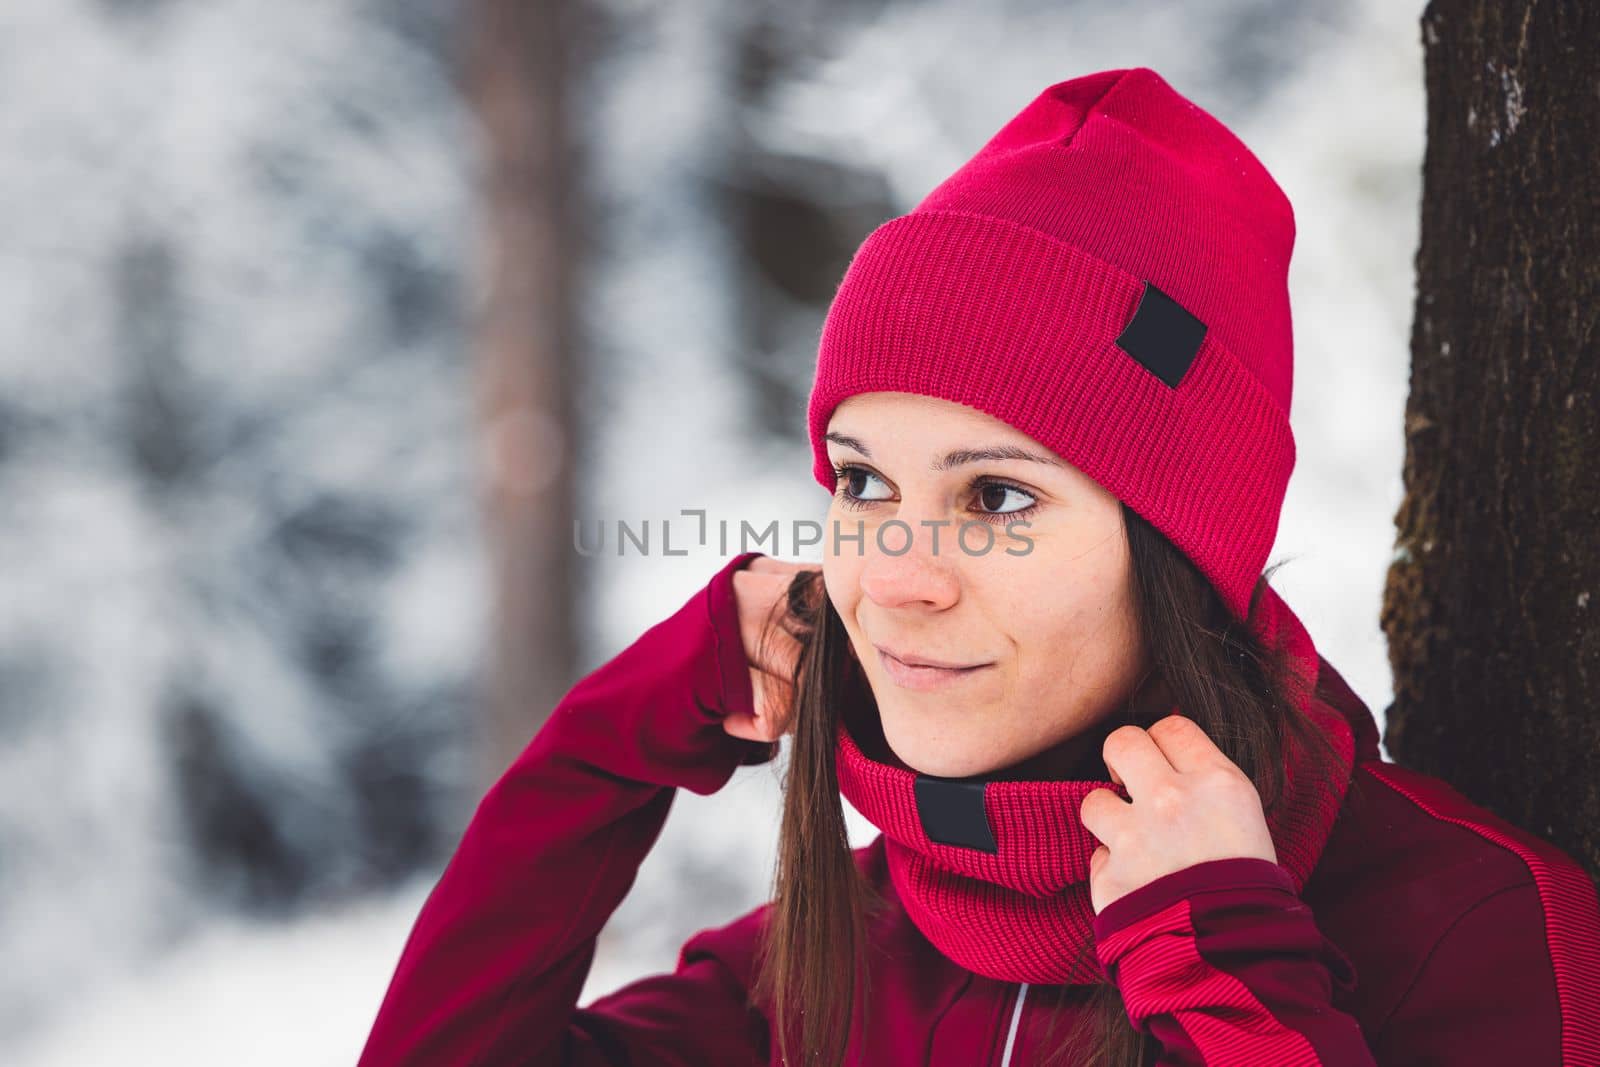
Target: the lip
(909, 676)
(924, 661)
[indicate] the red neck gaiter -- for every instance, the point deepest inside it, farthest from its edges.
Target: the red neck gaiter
(996, 873)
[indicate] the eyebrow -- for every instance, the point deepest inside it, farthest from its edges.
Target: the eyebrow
(960, 456)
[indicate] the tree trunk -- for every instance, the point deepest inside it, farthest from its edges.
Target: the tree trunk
(1492, 606)
(515, 74)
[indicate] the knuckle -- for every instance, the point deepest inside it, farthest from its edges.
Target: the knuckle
(1229, 783)
(1174, 726)
(1166, 798)
(1119, 738)
(1237, 782)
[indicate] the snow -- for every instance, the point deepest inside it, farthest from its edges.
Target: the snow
(246, 994)
(241, 168)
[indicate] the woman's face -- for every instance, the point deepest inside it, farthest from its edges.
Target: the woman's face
(1043, 617)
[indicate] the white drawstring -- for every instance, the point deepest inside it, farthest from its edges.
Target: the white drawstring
(1016, 1016)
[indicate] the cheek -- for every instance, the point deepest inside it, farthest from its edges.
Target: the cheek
(841, 578)
(1085, 586)
(1084, 649)
(1058, 617)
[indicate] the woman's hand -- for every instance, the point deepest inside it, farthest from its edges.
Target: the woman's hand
(1190, 804)
(761, 587)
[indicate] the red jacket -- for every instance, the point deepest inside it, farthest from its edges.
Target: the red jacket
(1430, 932)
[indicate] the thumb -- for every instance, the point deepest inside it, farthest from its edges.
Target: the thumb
(745, 725)
(1098, 860)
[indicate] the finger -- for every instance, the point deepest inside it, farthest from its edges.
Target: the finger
(1120, 784)
(776, 655)
(1135, 760)
(775, 704)
(771, 690)
(748, 726)
(768, 565)
(1184, 744)
(1102, 813)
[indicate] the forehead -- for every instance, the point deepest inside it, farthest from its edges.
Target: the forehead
(951, 435)
(916, 411)
(909, 427)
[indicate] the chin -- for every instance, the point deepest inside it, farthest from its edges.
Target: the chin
(954, 760)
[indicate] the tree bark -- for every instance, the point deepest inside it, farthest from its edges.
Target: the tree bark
(516, 72)
(1492, 603)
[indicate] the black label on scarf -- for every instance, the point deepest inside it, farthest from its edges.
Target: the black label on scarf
(952, 812)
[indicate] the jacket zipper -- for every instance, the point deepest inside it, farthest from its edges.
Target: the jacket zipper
(1016, 1017)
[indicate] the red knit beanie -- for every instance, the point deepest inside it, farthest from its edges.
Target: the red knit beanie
(1108, 275)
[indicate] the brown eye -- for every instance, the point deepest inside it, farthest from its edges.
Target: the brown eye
(846, 482)
(993, 496)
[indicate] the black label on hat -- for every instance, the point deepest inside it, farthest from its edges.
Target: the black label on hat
(952, 812)
(1162, 336)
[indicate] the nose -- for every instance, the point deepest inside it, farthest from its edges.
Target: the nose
(915, 578)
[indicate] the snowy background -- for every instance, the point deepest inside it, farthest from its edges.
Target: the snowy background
(242, 584)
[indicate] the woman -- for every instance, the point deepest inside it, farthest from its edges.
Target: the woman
(1128, 813)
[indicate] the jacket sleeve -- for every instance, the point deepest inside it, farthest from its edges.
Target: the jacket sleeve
(1223, 963)
(497, 958)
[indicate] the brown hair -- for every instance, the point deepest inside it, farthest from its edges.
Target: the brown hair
(814, 943)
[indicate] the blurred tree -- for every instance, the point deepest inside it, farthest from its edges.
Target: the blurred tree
(795, 215)
(517, 65)
(1492, 600)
